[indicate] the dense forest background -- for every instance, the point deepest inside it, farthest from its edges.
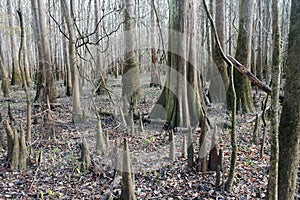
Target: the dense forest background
(156, 99)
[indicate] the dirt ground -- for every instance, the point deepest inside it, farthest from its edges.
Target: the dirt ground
(59, 176)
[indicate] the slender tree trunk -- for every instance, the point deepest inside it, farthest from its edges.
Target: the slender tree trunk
(155, 75)
(77, 112)
(243, 54)
(16, 74)
(25, 55)
(272, 192)
(100, 67)
(67, 68)
(259, 63)
(24, 79)
(289, 130)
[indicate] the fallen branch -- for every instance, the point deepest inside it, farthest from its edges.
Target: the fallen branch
(244, 70)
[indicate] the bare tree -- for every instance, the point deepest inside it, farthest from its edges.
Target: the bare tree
(77, 112)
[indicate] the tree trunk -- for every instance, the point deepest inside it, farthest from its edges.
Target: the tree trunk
(259, 62)
(127, 192)
(155, 75)
(289, 131)
(100, 67)
(272, 192)
(67, 68)
(4, 74)
(220, 25)
(16, 74)
(131, 77)
(243, 54)
(40, 76)
(181, 96)
(50, 89)
(77, 112)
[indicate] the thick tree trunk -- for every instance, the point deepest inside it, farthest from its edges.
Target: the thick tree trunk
(40, 76)
(182, 96)
(243, 54)
(289, 131)
(272, 192)
(222, 67)
(131, 78)
(50, 89)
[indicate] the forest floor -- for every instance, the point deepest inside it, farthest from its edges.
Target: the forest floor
(59, 175)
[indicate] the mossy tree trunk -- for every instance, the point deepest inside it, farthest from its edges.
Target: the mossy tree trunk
(272, 192)
(289, 130)
(181, 96)
(131, 76)
(243, 55)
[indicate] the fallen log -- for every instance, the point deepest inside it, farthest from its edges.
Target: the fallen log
(244, 70)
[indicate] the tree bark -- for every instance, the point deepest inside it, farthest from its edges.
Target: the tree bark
(127, 192)
(181, 96)
(131, 77)
(40, 76)
(221, 65)
(50, 89)
(243, 70)
(4, 74)
(272, 191)
(155, 75)
(289, 130)
(243, 54)
(77, 112)
(100, 67)
(16, 74)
